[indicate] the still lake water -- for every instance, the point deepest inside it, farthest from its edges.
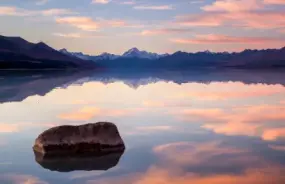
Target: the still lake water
(216, 127)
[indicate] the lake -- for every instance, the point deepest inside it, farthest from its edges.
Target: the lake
(198, 127)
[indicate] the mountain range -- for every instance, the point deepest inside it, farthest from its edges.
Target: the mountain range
(132, 53)
(17, 53)
(134, 58)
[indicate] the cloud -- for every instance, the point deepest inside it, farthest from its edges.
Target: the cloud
(248, 92)
(14, 11)
(277, 147)
(88, 24)
(164, 31)
(242, 19)
(83, 114)
(273, 134)
(84, 23)
(162, 175)
(155, 128)
(8, 128)
(193, 154)
(128, 2)
(224, 39)
(55, 12)
(233, 6)
(20, 179)
(202, 163)
(162, 7)
(100, 1)
(256, 120)
(87, 113)
(16, 127)
(148, 103)
(68, 35)
(274, 2)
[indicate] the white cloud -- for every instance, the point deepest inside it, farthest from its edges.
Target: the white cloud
(68, 35)
(162, 7)
(100, 1)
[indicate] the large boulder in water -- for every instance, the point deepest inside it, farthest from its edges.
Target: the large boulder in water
(96, 139)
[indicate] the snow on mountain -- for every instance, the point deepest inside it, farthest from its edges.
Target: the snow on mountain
(132, 53)
(136, 53)
(79, 55)
(107, 56)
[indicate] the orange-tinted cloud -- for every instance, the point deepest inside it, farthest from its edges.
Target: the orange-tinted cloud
(8, 128)
(224, 39)
(84, 23)
(274, 2)
(149, 103)
(20, 179)
(86, 113)
(273, 134)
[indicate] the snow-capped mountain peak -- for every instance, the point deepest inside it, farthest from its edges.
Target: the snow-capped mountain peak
(75, 54)
(136, 53)
(132, 53)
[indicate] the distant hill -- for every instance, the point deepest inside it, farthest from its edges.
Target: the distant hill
(17, 53)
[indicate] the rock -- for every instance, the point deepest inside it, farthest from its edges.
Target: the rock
(94, 139)
(78, 162)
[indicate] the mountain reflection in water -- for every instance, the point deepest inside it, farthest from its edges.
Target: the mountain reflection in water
(218, 127)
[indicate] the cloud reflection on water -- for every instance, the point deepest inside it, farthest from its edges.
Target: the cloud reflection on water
(176, 131)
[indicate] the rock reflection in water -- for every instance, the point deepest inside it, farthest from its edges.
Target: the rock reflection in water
(78, 162)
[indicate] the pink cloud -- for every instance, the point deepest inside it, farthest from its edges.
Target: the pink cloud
(274, 2)
(245, 19)
(164, 31)
(87, 113)
(254, 119)
(162, 7)
(224, 39)
(168, 175)
(84, 23)
(233, 5)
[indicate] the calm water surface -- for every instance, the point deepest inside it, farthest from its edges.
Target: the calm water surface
(179, 127)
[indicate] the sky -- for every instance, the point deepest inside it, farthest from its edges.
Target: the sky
(162, 26)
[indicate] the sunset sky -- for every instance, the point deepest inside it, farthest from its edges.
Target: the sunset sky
(96, 26)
